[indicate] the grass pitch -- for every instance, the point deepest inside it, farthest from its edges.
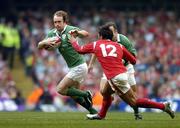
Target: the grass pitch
(78, 120)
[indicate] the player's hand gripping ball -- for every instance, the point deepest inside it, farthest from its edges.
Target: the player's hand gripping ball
(52, 43)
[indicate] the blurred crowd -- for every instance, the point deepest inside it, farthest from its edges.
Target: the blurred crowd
(11, 98)
(156, 36)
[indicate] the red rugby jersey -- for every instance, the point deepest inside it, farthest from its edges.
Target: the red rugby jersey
(109, 55)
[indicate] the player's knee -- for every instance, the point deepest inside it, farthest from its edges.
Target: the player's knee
(60, 91)
(134, 88)
(103, 93)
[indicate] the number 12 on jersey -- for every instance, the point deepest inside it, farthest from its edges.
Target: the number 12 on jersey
(104, 50)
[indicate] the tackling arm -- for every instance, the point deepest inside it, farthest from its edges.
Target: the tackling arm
(79, 33)
(87, 48)
(83, 33)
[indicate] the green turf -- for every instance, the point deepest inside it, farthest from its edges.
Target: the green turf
(78, 120)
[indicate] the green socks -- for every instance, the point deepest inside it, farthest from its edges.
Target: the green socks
(79, 96)
(76, 92)
(83, 103)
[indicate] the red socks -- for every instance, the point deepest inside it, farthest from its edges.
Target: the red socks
(105, 105)
(147, 103)
(141, 102)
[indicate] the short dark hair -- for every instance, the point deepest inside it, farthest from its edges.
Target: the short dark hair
(111, 24)
(63, 14)
(105, 32)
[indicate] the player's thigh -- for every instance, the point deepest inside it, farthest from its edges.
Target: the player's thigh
(105, 88)
(78, 73)
(103, 83)
(74, 77)
(132, 82)
(120, 84)
(131, 77)
(65, 83)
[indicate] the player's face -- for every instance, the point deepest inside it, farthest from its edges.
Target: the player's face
(114, 33)
(59, 23)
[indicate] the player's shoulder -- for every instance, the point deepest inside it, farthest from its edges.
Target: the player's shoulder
(123, 37)
(52, 31)
(70, 27)
(101, 41)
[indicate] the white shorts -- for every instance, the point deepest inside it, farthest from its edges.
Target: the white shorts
(120, 83)
(131, 77)
(78, 73)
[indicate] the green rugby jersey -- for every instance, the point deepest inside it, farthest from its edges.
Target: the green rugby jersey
(72, 57)
(127, 44)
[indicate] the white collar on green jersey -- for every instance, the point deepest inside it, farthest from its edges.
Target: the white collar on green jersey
(55, 31)
(118, 37)
(64, 29)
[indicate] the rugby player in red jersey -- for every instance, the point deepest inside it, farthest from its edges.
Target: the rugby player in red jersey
(109, 54)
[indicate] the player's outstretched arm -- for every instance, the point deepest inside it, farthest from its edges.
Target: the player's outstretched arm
(87, 48)
(83, 33)
(79, 33)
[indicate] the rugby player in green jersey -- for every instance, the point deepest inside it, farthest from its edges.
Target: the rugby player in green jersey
(105, 88)
(69, 85)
